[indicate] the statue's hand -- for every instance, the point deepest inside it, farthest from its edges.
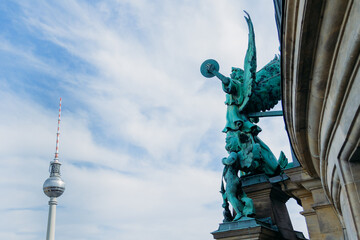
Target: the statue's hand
(210, 67)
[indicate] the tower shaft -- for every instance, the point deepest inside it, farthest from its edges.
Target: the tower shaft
(50, 234)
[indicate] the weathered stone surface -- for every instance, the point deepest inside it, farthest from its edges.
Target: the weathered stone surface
(321, 101)
(321, 218)
(269, 201)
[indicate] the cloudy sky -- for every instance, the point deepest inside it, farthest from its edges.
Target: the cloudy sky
(141, 141)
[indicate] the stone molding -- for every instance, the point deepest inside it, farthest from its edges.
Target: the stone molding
(321, 101)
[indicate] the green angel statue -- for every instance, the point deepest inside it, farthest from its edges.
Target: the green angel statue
(247, 91)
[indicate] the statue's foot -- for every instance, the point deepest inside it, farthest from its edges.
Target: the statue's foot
(243, 217)
(238, 217)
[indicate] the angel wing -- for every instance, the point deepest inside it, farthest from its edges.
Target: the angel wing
(266, 88)
(249, 65)
(261, 90)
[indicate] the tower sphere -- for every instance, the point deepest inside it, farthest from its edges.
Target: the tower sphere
(54, 186)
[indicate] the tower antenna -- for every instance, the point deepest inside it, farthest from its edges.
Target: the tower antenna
(57, 135)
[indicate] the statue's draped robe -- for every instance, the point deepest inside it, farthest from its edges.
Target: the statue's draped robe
(238, 121)
(235, 120)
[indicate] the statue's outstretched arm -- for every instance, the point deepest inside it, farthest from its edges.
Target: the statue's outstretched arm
(211, 68)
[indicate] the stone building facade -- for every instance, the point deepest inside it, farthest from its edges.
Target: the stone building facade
(320, 46)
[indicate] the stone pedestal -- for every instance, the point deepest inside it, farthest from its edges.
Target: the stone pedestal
(246, 229)
(269, 201)
(272, 218)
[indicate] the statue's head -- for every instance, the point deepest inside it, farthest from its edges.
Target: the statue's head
(237, 73)
(232, 142)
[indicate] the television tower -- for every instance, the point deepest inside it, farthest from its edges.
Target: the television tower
(54, 186)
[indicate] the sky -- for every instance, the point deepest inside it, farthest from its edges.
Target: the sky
(141, 142)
